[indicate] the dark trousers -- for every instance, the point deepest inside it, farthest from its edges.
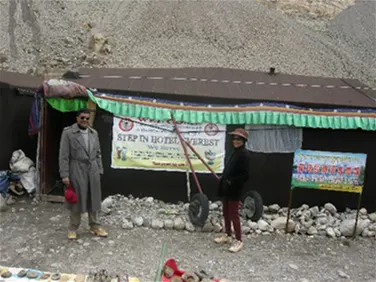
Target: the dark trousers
(231, 214)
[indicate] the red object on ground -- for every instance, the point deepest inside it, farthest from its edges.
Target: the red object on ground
(70, 195)
(177, 272)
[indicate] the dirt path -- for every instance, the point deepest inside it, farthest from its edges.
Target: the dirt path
(34, 236)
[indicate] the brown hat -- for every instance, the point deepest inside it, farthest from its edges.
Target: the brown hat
(240, 132)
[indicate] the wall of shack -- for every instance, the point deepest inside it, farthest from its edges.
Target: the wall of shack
(14, 122)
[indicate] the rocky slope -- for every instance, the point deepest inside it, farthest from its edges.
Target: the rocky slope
(48, 36)
(310, 9)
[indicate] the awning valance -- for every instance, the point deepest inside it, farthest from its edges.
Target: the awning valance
(254, 113)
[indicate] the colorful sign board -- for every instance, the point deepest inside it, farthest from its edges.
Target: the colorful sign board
(333, 171)
(145, 144)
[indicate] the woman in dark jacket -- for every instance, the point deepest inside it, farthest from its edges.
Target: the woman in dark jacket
(234, 176)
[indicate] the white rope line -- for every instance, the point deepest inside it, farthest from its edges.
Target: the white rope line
(284, 84)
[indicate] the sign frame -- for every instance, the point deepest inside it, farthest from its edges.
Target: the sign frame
(358, 189)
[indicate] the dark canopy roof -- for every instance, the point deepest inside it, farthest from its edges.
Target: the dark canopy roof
(222, 83)
(233, 84)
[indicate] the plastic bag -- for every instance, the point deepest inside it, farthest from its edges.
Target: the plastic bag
(24, 167)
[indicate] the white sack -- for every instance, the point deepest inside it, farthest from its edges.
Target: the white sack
(24, 167)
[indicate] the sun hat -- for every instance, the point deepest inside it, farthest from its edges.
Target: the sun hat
(240, 132)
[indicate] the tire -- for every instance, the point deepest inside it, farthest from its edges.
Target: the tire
(253, 205)
(198, 210)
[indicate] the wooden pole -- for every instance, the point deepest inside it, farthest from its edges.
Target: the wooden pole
(357, 215)
(288, 211)
(182, 143)
(92, 107)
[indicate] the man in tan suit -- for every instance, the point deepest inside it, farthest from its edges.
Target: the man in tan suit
(80, 163)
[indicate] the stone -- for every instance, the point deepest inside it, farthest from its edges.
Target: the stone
(330, 208)
(322, 220)
(372, 227)
(363, 211)
(347, 227)
(169, 224)
(217, 227)
(156, 224)
(213, 206)
(307, 223)
(367, 233)
(149, 200)
(372, 216)
(342, 274)
(307, 214)
(262, 225)
(55, 218)
(274, 208)
(179, 224)
(314, 211)
(312, 231)
(138, 221)
(208, 227)
(147, 222)
(293, 266)
(280, 224)
(127, 225)
(189, 227)
(246, 230)
(252, 225)
(108, 202)
(330, 232)
(11, 201)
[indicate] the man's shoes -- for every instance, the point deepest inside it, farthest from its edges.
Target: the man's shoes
(236, 247)
(98, 231)
(223, 239)
(72, 235)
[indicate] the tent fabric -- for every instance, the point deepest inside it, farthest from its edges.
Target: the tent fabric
(67, 105)
(255, 113)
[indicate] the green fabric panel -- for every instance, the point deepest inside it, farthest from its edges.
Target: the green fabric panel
(67, 105)
(256, 117)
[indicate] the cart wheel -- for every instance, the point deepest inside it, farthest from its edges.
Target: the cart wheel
(198, 210)
(253, 205)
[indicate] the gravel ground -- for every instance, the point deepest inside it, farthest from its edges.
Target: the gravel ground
(32, 236)
(47, 36)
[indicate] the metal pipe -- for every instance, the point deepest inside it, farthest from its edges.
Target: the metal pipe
(182, 141)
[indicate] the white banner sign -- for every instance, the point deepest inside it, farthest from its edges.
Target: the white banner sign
(153, 145)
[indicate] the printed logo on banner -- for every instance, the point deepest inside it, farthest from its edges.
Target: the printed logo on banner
(153, 145)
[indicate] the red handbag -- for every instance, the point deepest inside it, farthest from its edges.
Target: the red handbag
(70, 195)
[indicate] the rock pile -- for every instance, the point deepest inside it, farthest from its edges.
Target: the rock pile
(130, 212)
(66, 35)
(314, 10)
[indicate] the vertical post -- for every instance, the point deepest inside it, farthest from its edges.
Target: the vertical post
(357, 215)
(288, 211)
(43, 147)
(186, 153)
(92, 107)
